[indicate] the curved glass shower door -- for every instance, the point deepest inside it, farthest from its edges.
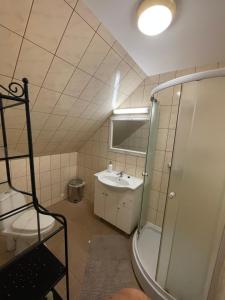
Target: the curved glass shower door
(183, 209)
(195, 211)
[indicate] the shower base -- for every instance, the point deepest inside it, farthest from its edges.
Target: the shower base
(145, 250)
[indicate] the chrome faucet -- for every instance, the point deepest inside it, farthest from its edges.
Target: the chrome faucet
(120, 173)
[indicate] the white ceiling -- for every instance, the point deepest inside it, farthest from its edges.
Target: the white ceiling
(196, 37)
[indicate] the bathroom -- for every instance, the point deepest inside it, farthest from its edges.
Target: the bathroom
(132, 114)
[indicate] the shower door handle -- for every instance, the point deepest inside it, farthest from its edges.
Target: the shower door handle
(144, 174)
(172, 195)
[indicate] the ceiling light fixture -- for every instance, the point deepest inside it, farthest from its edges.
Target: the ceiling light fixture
(155, 16)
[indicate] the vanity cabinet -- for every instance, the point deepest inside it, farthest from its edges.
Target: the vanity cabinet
(120, 207)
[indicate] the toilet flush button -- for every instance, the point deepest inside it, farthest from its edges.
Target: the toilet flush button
(172, 195)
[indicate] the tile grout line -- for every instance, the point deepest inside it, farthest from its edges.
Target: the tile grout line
(18, 60)
(48, 71)
(111, 47)
(96, 31)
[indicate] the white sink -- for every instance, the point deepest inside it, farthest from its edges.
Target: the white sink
(114, 180)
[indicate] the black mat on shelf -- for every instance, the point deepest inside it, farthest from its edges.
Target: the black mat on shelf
(31, 276)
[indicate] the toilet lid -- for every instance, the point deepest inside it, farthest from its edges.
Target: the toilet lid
(27, 221)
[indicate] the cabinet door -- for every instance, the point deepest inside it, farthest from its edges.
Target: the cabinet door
(111, 207)
(124, 215)
(99, 202)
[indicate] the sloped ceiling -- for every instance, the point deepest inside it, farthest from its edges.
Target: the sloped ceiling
(77, 72)
(196, 36)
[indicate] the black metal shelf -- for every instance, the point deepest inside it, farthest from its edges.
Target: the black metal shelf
(35, 271)
(14, 157)
(32, 276)
(56, 295)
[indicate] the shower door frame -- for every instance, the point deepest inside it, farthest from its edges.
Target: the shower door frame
(180, 81)
(146, 281)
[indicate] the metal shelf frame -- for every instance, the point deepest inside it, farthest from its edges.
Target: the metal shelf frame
(16, 94)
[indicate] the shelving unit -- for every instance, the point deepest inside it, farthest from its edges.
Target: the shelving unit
(35, 271)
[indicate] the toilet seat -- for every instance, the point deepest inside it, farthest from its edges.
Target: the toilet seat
(27, 222)
(25, 226)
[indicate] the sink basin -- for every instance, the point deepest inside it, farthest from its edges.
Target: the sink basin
(114, 180)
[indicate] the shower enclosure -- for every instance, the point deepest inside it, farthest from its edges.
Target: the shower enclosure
(178, 249)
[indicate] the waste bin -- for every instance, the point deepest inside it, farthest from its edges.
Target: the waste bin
(76, 190)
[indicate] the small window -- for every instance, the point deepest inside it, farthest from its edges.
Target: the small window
(129, 134)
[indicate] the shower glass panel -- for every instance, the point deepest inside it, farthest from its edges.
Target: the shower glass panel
(149, 161)
(195, 210)
(146, 232)
(158, 158)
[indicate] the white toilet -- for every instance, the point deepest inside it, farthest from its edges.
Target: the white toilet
(21, 229)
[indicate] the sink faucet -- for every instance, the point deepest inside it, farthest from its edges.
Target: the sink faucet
(120, 173)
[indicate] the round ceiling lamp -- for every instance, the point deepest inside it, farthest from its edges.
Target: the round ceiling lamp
(155, 16)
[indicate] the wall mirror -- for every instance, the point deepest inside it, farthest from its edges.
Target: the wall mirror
(129, 134)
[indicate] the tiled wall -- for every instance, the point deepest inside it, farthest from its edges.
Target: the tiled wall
(95, 155)
(52, 174)
(71, 61)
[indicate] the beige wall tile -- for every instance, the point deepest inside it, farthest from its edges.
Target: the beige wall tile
(45, 179)
(18, 168)
(9, 47)
(164, 118)
(93, 87)
(76, 110)
(44, 164)
(13, 136)
(86, 14)
(47, 23)
(46, 101)
(33, 63)
(72, 3)
(77, 83)
(64, 105)
(170, 140)
(65, 160)
(159, 160)
(46, 194)
(38, 119)
(156, 180)
(3, 171)
(58, 75)
(166, 96)
(55, 191)
(53, 122)
(108, 66)
(75, 40)
(55, 161)
(153, 199)
(55, 176)
(161, 139)
(20, 183)
(106, 35)
(95, 54)
(15, 118)
(49, 183)
(119, 49)
(14, 14)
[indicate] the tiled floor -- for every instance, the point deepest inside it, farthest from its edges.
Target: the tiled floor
(82, 227)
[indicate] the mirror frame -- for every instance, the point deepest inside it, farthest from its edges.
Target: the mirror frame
(141, 117)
